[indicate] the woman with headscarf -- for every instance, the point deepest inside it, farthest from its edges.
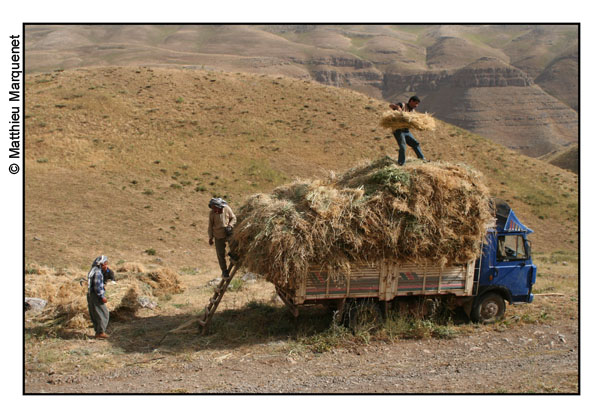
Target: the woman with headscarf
(96, 296)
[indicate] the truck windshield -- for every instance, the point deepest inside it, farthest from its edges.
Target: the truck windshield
(511, 247)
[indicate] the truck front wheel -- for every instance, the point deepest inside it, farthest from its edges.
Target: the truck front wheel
(489, 308)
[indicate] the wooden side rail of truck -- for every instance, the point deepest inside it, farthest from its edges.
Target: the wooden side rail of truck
(383, 282)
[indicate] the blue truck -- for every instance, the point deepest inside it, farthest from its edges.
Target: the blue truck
(504, 273)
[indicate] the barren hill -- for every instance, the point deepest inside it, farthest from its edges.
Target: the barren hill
(566, 158)
(388, 62)
(123, 161)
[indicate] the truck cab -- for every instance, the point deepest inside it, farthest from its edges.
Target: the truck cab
(505, 271)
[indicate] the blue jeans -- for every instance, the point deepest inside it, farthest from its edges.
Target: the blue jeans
(404, 137)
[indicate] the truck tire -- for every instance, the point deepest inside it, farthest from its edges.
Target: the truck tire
(489, 308)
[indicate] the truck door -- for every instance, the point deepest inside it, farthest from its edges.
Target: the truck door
(513, 267)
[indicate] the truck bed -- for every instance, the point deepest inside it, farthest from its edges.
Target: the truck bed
(385, 281)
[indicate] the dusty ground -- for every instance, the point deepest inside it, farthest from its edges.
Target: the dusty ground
(255, 346)
(526, 359)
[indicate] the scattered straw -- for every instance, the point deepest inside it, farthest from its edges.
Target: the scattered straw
(163, 281)
(67, 306)
(131, 268)
(395, 119)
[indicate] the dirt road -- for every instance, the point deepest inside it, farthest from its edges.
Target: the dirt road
(529, 358)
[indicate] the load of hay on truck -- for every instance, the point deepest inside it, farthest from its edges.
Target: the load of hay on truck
(504, 272)
(381, 234)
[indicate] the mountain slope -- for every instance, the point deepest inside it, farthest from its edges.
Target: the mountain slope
(382, 61)
(123, 160)
(566, 158)
(489, 97)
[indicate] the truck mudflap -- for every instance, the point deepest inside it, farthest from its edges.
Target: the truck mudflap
(387, 280)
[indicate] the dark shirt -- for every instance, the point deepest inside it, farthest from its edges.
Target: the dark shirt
(97, 284)
(108, 275)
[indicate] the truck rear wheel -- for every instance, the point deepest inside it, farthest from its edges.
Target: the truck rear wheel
(489, 308)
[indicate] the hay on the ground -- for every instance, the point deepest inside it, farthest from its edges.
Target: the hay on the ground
(396, 119)
(163, 281)
(130, 267)
(423, 213)
(67, 307)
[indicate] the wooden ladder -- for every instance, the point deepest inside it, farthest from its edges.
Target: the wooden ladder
(208, 313)
(214, 301)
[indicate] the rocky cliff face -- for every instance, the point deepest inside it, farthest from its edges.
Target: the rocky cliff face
(346, 71)
(338, 62)
(488, 97)
(485, 72)
(488, 72)
(336, 77)
(395, 85)
(503, 103)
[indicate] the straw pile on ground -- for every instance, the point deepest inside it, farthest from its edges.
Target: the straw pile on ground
(434, 212)
(67, 308)
(396, 119)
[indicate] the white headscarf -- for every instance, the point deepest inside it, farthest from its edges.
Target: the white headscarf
(96, 267)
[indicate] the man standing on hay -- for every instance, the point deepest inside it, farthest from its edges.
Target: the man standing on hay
(96, 295)
(403, 136)
(221, 221)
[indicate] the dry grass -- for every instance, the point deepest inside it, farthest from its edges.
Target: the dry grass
(157, 159)
(131, 267)
(435, 213)
(163, 281)
(248, 323)
(52, 347)
(67, 308)
(395, 119)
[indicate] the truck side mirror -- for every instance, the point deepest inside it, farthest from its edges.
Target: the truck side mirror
(528, 248)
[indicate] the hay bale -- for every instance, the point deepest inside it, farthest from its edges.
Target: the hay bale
(436, 213)
(396, 119)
